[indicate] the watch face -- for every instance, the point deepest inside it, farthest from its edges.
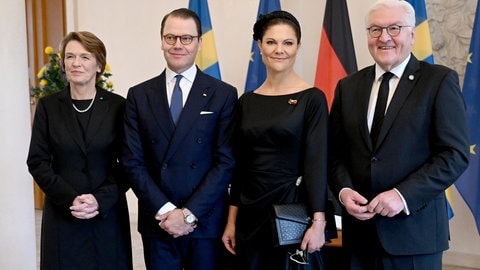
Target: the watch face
(190, 219)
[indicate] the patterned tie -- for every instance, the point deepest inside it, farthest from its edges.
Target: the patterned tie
(176, 103)
(380, 107)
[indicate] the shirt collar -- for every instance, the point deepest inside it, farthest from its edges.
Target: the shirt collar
(397, 71)
(188, 74)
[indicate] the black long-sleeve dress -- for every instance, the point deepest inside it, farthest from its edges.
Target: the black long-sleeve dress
(278, 139)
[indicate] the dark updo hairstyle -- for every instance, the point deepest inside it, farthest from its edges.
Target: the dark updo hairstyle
(91, 43)
(273, 18)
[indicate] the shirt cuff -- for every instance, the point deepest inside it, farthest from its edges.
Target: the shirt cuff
(340, 193)
(405, 210)
(166, 208)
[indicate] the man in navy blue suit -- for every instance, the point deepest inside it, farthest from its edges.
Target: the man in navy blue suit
(180, 166)
(390, 166)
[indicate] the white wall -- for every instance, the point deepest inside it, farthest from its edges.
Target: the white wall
(17, 224)
(130, 30)
(133, 38)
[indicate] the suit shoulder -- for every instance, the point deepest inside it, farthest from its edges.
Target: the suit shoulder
(216, 82)
(435, 68)
(148, 83)
(355, 77)
(110, 95)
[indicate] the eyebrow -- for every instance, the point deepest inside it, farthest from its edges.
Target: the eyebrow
(81, 54)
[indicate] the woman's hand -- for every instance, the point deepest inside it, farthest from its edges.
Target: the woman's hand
(314, 238)
(228, 238)
(84, 206)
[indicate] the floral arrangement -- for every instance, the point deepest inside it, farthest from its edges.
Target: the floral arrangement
(52, 79)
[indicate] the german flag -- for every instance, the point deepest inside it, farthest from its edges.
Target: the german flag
(336, 55)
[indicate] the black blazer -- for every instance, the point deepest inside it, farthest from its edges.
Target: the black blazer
(190, 165)
(423, 147)
(66, 165)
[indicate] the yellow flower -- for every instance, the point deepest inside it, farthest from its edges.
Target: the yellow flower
(48, 50)
(109, 85)
(41, 72)
(43, 83)
(107, 68)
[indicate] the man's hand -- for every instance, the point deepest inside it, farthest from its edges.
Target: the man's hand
(387, 203)
(355, 204)
(174, 224)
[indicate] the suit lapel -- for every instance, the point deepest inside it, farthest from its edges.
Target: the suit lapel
(69, 118)
(158, 104)
(365, 86)
(97, 116)
(199, 95)
(404, 88)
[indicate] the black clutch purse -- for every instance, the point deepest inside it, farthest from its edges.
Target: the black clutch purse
(291, 221)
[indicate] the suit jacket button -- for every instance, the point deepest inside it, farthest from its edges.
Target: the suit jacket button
(164, 166)
(199, 141)
(193, 166)
(374, 159)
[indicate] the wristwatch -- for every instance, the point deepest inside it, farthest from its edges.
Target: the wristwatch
(189, 217)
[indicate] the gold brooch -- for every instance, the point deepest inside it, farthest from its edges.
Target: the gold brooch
(292, 101)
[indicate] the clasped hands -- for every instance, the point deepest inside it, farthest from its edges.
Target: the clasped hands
(173, 223)
(387, 204)
(84, 206)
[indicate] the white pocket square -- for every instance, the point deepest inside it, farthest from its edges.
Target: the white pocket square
(206, 112)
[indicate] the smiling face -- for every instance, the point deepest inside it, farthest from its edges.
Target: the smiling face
(180, 57)
(387, 51)
(81, 66)
(279, 47)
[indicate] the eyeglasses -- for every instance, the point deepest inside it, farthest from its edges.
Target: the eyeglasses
(393, 30)
(300, 256)
(172, 39)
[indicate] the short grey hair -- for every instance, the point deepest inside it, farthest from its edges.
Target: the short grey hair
(406, 6)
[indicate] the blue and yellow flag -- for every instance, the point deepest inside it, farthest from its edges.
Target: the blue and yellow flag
(256, 69)
(422, 49)
(469, 183)
(206, 58)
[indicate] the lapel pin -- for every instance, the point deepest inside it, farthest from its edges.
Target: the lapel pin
(204, 94)
(411, 77)
(292, 101)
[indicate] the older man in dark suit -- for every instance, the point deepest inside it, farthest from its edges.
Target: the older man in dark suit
(398, 139)
(177, 152)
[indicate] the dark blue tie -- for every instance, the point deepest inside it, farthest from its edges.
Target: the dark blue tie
(380, 107)
(176, 104)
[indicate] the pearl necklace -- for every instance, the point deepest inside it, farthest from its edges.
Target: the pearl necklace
(89, 106)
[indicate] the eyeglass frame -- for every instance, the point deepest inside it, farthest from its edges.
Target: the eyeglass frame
(190, 37)
(303, 255)
(387, 28)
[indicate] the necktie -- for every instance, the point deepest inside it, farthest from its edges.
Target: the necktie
(176, 104)
(380, 107)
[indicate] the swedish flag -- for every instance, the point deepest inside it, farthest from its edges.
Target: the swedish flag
(256, 68)
(422, 49)
(206, 59)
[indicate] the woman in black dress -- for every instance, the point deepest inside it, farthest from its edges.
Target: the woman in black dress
(73, 157)
(281, 135)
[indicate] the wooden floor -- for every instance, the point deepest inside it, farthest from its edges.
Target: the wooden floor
(138, 250)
